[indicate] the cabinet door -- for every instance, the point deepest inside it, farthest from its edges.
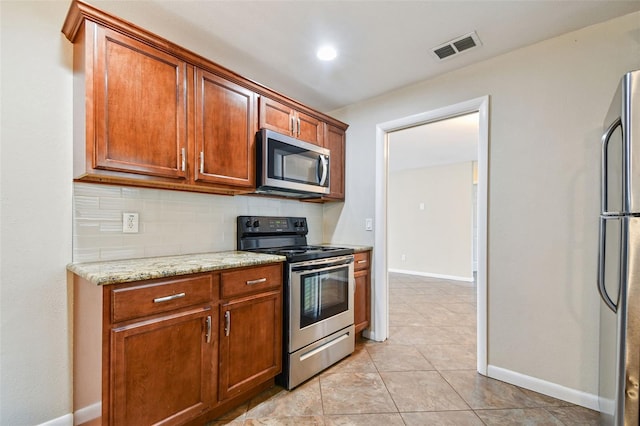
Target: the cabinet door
(140, 108)
(362, 297)
(276, 116)
(335, 142)
(361, 301)
(309, 129)
(225, 131)
(161, 369)
(250, 342)
(284, 119)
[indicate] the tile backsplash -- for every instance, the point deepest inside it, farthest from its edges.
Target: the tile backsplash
(170, 222)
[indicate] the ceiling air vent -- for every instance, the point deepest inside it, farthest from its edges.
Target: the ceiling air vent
(456, 46)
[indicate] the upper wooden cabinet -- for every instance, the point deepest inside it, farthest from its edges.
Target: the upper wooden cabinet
(284, 119)
(139, 111)
(335, 142)
(225, 116)
(148, 112)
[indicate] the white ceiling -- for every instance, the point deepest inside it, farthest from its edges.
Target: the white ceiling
(447, 141)
(382, 45)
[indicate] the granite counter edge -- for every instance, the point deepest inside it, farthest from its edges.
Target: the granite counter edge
(130, 270)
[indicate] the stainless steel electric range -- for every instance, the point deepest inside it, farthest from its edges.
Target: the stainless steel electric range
(318, 294)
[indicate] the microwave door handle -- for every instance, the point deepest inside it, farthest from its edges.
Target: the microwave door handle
(604, 191)
(323, 165)
(601, 263)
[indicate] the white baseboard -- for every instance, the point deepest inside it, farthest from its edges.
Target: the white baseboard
(554, 390)
(66, 420)
(428, 274)
(371, 335)
(87, 413)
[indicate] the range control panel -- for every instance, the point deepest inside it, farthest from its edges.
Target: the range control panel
(270, 225)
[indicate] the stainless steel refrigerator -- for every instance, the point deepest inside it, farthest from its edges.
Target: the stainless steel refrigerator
(619, 257)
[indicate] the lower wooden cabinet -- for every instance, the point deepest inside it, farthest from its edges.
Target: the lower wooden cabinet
(171, 351)
(161, 369)
(250, 342)
(362, 298)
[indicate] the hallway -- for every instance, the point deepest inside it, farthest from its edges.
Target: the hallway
(424, 374)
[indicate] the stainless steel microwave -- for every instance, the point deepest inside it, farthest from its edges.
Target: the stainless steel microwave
(290, 167)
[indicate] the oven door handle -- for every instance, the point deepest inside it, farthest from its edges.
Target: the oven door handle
(323, 265)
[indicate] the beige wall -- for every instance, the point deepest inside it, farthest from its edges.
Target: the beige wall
(437, 239)
(35, 220)
(548, 102)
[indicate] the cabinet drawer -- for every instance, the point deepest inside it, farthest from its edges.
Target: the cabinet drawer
(362, 260)
(252, 280)
(141, 300)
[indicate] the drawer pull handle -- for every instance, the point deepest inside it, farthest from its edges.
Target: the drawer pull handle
(362, 261)
(258, 281)
(168, 298)
(227, 323)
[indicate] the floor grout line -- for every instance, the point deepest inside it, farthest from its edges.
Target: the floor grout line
(445, 364)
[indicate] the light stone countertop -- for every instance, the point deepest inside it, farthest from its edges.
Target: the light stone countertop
(356, 248)
(122, 271)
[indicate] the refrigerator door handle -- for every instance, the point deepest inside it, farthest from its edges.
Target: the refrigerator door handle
(601, 269)
(604, 184)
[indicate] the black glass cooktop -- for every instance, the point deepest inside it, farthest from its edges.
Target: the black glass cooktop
(284, 236)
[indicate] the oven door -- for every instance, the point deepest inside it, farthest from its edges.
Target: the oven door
(321, 299)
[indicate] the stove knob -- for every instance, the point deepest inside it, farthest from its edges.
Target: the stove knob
(256, 224)
(248, 224)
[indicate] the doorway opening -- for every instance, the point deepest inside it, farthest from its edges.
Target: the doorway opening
(431, 192)
(380, 314)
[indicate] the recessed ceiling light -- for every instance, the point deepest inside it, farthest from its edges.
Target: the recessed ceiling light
(327, 53)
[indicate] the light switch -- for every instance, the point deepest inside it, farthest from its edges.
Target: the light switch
(368, 224)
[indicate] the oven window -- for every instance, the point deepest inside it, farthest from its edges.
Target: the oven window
(324, 294)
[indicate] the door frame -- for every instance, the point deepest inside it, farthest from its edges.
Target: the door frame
(380, 320)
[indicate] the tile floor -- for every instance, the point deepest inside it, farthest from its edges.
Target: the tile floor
(424, 374)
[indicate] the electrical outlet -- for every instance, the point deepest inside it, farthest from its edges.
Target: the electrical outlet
(404, 258)
(130, 223)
